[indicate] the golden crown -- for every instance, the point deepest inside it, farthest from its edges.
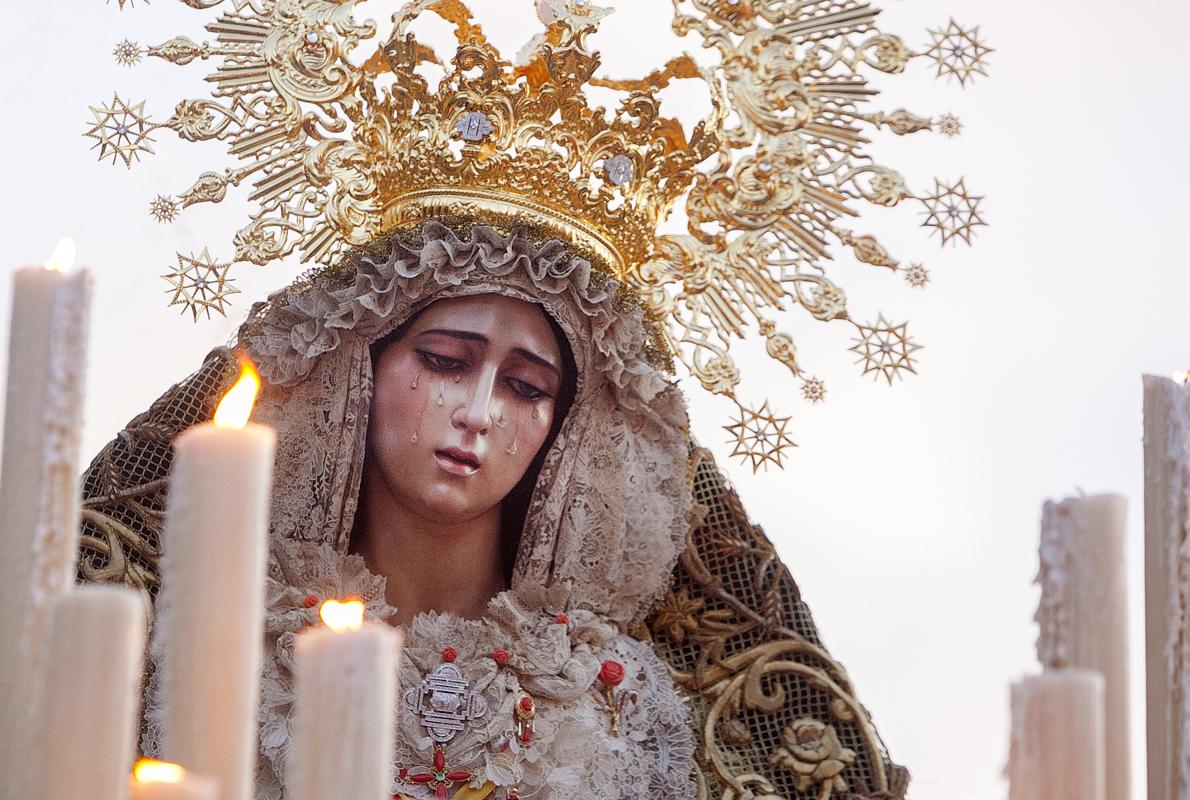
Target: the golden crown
(339, 143)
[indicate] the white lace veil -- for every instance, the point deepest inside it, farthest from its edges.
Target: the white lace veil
(610, 512)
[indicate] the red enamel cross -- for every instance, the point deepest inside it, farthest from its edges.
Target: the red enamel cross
(441, 778)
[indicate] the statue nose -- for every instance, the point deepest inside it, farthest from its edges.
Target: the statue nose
(476, 413)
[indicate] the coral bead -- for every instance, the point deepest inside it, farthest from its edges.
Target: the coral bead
(562, 619)
(500, 656)
(449, 654)
(311, 601)
(611, 673)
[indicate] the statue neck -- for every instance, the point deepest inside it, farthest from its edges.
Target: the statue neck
(428, 565)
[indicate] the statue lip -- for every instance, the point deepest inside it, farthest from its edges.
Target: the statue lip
(456, 461)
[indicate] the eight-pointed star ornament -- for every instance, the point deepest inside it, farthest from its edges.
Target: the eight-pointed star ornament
(200, 285)
(760, 437)
(952, 211)
(885, 349)
(121, 131)
(958, 52)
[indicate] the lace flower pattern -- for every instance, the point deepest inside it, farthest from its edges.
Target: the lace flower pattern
(555, 662)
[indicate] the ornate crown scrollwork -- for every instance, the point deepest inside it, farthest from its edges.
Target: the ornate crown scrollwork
(337, 137)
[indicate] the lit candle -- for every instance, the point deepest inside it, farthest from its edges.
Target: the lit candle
(1083, 614)
(345, 686)
(158, 780)
(91, 694)
(212, 598)
(1058, 749)
(38, 482)
(1167, 590)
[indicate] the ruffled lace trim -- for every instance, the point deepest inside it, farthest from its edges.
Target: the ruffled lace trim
(301, 324)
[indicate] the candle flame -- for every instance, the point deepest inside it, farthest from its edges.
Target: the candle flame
(343, 616)
(1182, 378)
(62, 259)
(148, 770)
(236, 406)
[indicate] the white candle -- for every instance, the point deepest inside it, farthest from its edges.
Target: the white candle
(88, 714)
(1058, 746)
(1167, 585)
(157, 780)
(38, 484)
(210, 629)
(1083, 613)
(345, 686)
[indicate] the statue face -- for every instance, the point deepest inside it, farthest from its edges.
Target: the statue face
(462, 403)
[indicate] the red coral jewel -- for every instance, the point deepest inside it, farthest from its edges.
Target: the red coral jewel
(500, 656)
(311, 601)
(449, 654)
(526, 704)
(562, 619)
(611, 673)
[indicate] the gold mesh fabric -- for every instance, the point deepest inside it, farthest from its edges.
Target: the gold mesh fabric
(124, 488)
(775, 715)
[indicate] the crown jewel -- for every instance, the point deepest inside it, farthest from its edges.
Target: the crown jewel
(340, 134)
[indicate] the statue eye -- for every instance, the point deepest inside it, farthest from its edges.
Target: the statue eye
(525, 389)
(440, 363)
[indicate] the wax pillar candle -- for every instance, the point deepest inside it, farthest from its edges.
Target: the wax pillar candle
(157, 780)
(1167, 585)
(38, 487)
(1083, 615)
(1058, 748)
(91, 694)
(209, 636)
(345, 686)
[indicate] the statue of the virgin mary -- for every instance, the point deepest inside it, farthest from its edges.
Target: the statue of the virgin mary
(474, 439)
(479, 430)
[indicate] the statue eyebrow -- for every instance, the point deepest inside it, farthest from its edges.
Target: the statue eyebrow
(472, 336)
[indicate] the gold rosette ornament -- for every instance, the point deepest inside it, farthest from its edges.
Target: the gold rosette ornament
(338, 135)
(812, 752)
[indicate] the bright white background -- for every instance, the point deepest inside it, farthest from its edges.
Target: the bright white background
(908, 515)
